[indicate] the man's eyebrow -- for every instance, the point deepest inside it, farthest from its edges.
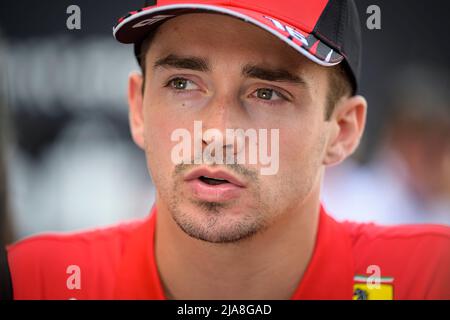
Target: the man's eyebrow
(278, 75)
(183, 62)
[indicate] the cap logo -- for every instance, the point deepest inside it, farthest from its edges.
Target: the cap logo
(150, 21)
(292, 32)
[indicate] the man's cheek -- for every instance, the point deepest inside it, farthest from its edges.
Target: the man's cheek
(292, 151)
(158, 140)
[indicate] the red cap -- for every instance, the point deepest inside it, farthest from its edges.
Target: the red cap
(325, 31)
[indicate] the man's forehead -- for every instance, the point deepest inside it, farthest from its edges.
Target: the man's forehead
(198, 33)
(234, 51)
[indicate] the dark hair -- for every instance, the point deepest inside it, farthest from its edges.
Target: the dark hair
(339, 84)
(141, 51)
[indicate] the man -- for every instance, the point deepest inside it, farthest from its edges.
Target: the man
(237, 214)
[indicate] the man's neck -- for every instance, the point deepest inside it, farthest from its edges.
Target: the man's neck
(269, 265)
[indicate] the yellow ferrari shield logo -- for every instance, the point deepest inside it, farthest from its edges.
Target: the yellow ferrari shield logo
(365, 288)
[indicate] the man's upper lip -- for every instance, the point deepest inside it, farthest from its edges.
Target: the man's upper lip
(215, 174)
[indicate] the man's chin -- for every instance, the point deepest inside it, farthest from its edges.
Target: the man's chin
(216, 222)
(213, 207)
(218, 233)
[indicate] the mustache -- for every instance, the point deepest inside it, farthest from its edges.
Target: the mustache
(251, 175)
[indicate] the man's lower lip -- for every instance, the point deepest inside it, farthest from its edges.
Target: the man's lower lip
(214, 193)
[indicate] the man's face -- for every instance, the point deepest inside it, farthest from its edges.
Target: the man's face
(229, 74)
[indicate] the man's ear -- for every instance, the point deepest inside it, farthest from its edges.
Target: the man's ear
(136, 112)
(348, 121)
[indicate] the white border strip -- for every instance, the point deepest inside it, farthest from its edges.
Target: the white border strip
(231, 13)
(359, 278)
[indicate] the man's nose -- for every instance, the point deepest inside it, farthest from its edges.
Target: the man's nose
(223, 114)
(224, 110)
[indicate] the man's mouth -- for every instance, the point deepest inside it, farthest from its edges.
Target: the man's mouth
(212, 181)
(214, 177)
(214, 185)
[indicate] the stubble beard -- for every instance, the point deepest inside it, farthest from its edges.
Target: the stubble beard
(213, 222)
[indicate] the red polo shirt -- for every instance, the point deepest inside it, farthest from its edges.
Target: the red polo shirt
(350, 261)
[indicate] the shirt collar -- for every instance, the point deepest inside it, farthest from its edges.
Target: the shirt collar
(329, 274)
(138, 276)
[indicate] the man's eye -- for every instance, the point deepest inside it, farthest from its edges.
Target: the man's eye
(182, 84)
(269, 94)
